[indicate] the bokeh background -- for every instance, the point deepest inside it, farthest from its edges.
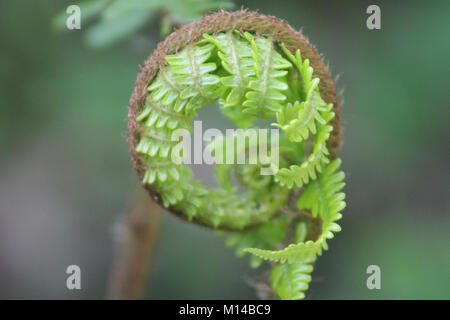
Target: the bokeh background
(66, 177)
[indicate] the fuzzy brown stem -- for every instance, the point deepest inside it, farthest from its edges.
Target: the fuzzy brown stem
(136, 235)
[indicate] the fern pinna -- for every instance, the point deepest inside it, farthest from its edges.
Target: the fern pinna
(256, 67)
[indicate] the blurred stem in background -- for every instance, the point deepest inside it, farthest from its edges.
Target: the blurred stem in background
(136, 235)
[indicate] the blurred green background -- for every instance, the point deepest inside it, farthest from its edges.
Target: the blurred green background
(65, 173)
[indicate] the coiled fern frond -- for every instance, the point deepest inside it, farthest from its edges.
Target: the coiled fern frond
(256, 67)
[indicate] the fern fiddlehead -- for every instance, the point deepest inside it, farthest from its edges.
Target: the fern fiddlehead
(257, 67)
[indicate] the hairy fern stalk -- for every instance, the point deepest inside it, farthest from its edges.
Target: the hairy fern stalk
(252, 77)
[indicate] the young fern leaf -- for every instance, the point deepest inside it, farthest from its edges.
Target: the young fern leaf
(323, 199)
(302, 174)
(300, 119)
(291, 280)
(267, 90)
(297, 120)
(305, 252)
(236, 58)
(193, 74)
(166, 90)
(249, 71)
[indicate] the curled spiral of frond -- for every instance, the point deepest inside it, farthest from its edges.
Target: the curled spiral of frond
(255, 67)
